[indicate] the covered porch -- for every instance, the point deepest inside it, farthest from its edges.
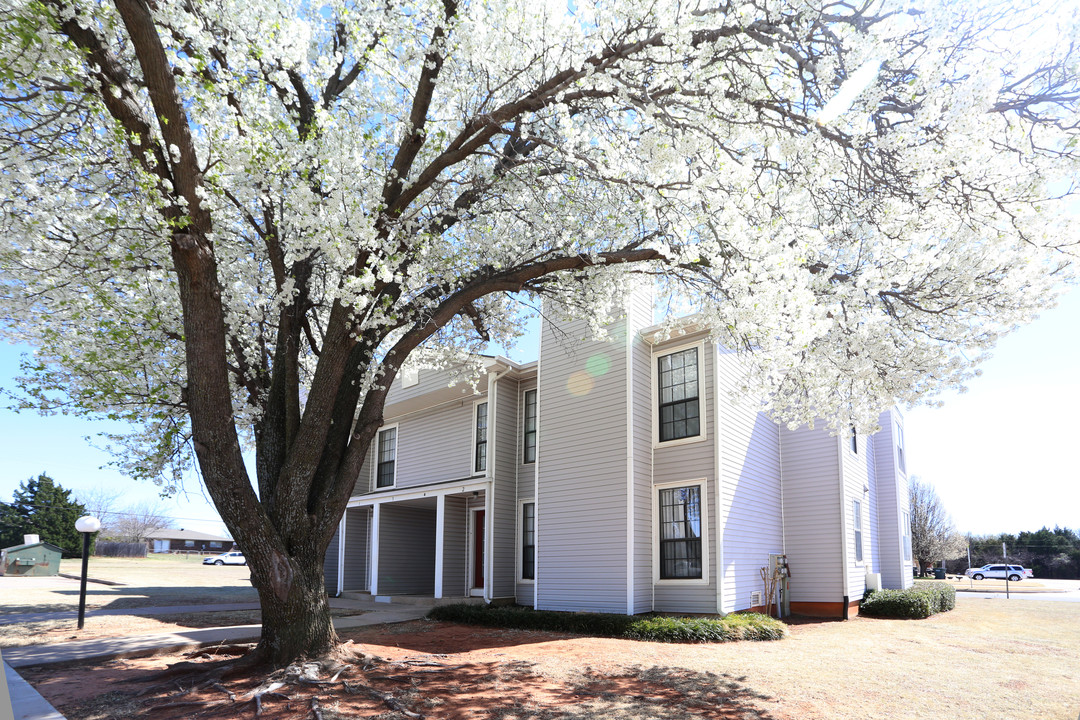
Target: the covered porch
(406, 545)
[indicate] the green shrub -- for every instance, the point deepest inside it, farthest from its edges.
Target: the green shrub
(920, 601)
(744, 626)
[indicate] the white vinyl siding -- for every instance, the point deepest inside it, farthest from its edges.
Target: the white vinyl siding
(752, 516)
(582, 503)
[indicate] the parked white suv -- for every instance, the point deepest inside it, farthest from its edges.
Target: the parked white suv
(1000, 572)
(229, 558)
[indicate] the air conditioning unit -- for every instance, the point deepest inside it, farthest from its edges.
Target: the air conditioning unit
(873, 581)
(755, 599)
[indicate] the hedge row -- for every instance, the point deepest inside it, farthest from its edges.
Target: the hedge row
(920, 601)
(743, 626)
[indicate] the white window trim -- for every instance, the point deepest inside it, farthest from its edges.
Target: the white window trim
(654, 408)
(861, 533)
(899, 449)
(472, 448)
(397, 454)
(702, 484)
(521, 404)
(520, 537)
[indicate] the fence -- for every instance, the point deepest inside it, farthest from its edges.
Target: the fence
(120, 549)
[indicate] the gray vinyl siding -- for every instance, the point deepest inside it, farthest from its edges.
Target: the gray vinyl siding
(357, 536)
(436, 445)
(406, 549)
(641, 309)
(582, 504)
(432, 382)
(855, 479)
(330, 564)
(812, 516)
(874, 561)
(503, 426)
(892, 501)
(365, 480)
(455, 547)
(689, 462)
(752, 512)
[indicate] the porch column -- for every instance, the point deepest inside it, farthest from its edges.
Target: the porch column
(341, 553)
(375, 549)
(440, 526)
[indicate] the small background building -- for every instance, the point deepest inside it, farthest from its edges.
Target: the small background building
(173, 540)
(31, 559)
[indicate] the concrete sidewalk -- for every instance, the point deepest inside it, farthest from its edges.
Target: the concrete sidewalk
(338, 603)
(28, 704)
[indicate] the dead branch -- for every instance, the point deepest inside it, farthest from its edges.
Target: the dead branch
(227, 691)
(315, 710)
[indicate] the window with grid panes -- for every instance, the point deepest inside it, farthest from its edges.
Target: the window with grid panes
(480, 457)
(528, 541)
(529, 434)
(680, 533)
(384, 473)
(857, 510)
(679, 410)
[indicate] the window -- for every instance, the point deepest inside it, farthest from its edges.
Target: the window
(905, 530)
(528, 541)
(529, 434)
(900, 448)
(854, 440)
(680, 533)
(215, 544)
(480, 455)
(384, 474)
(680, 416)
(189, 543)
(856, 507)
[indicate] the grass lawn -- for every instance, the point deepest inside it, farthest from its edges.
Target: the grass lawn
(152, 581)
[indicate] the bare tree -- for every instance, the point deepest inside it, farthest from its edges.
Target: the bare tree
(933, 535)
(102, 504)
(137, 521)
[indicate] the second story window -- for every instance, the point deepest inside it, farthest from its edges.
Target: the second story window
(384, 474)
(480, 454)
(854, 440)
(856, 508)
(529, 429)
(900, 448)
(680, 416)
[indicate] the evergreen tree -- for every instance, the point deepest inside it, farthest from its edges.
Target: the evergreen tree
(42, 507)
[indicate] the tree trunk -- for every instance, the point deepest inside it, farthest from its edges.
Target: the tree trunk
(296, 619)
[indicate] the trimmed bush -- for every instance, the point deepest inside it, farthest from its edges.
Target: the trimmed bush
(920, 601)
(656, 628)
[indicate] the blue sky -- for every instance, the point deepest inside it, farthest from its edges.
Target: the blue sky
(1002, 455)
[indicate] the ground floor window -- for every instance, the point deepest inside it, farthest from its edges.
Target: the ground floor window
(528, 541)
(856, 509)
(680, 533)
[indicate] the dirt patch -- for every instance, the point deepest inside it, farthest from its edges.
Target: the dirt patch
(433, 669)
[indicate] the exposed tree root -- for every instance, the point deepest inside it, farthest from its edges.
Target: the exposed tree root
(389, 700)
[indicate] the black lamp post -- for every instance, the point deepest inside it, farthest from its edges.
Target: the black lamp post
(87, 525)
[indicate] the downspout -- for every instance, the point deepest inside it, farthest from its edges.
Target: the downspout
(721, 518)
(631, 548)
(843, 521)
(341, 554)
(489, 496)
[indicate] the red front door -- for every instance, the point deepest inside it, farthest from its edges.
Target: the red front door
(478, 549)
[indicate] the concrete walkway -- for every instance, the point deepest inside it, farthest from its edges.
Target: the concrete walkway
(27, 703)
(338, 603)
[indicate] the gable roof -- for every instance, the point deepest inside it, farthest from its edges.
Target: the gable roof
(182, 534)
(26, 546)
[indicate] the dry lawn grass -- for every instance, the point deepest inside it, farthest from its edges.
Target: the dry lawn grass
(152, 581)
(986, 659)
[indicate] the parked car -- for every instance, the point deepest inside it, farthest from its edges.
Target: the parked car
(1000, 572)
(229, 558)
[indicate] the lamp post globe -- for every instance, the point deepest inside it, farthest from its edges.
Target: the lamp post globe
(87, 525)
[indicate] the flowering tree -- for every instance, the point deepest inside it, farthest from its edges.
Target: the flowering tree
(231, 222)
